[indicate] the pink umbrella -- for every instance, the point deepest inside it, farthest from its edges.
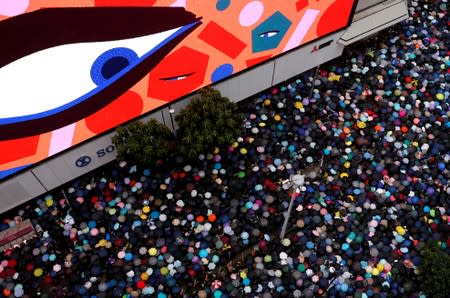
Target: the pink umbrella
(216, 284)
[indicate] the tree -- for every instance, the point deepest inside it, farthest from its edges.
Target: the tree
(434, 271)
(209, 120)
(144, 143)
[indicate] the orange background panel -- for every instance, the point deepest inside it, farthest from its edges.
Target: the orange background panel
(219, 38)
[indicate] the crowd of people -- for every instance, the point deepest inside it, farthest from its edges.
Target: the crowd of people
(370, 129)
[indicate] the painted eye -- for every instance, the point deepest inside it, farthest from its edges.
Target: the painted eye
(52, 76)
(72, 74)
(177, 78)
(268, 34)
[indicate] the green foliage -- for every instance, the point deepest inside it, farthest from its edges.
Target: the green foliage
(209, 120)
(145, 143)
(434, 271)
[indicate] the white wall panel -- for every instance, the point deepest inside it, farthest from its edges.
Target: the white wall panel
(375, 19)
(248, 83)
(155, 115)
(307, 57)
(363, 4)
(177, 107)
(19, 190)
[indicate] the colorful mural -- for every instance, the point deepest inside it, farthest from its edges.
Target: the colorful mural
(70, 70)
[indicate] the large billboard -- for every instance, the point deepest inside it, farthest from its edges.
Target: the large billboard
(71, 70)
